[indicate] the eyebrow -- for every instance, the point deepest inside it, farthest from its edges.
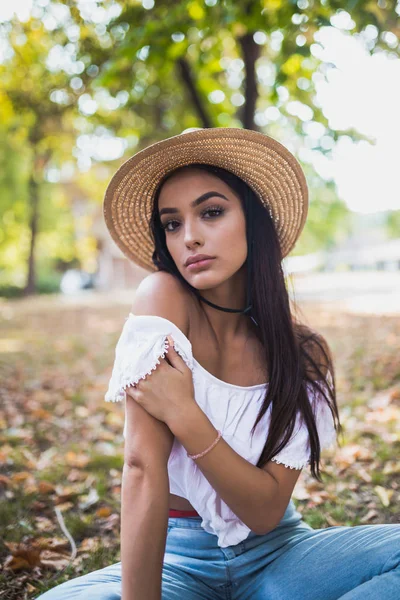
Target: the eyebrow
(194, 203)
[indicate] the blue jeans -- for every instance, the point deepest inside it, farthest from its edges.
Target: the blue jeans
(292, 562)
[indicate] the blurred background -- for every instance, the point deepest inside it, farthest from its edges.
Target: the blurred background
(84, 84)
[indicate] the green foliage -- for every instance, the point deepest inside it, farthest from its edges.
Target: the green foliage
(151, 73)
(393, 224)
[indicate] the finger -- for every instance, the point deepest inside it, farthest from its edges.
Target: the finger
(164, 360)
(129, 391)
(140, 384)
(175, 359)
(135, 394)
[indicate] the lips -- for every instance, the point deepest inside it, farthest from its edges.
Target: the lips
(199, 258)
(199, 263)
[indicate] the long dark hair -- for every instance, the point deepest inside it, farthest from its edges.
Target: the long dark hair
(290, 347)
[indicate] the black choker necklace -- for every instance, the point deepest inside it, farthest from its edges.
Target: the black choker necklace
(231, 310)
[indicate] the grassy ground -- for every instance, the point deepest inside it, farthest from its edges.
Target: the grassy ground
(61, 446)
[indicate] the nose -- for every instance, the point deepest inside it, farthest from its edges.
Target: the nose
(192, 235)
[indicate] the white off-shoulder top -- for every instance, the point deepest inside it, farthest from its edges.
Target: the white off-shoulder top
(231, 409)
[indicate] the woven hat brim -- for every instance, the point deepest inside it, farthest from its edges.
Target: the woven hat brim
(267, 166)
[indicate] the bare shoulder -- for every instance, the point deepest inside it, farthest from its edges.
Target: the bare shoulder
(163, 295)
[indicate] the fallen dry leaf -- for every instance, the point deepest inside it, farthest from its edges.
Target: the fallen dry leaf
(103, 512)
(384, 495)
(371, 514)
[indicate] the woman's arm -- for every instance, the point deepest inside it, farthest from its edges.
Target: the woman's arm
(144, 503)
(144, 516)
(148, 444)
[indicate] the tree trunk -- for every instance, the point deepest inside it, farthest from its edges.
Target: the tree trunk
(30, 287)
(187, 78)
(250, 52)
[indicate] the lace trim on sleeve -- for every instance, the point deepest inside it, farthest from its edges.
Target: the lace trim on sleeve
(137, 354)
(296, 453)
(296, 465)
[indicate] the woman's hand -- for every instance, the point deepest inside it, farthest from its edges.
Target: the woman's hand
(167, 393)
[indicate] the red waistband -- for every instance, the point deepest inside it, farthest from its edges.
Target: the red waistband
(183, 513)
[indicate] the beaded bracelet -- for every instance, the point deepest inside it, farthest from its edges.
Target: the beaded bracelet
(208, 449)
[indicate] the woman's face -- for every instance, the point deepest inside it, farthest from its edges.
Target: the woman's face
(214, 226)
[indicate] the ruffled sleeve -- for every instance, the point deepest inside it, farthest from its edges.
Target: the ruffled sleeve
(296, 453)
(142, 343)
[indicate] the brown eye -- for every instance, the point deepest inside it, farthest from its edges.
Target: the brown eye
(213, 209)
(165, 225)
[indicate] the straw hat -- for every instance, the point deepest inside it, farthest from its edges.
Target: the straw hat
(263, 163)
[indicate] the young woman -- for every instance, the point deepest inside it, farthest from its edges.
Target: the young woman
(227, 395)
